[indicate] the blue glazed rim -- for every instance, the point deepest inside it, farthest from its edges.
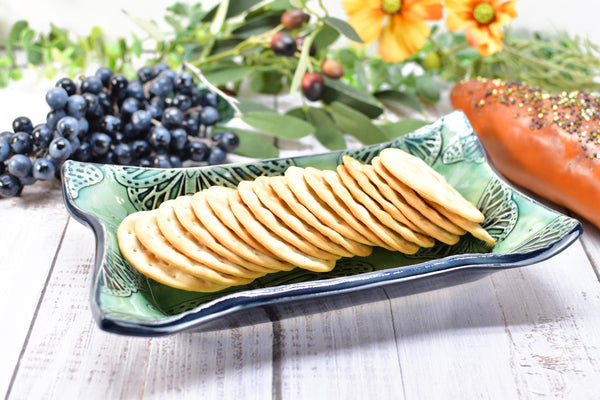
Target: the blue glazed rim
(270, 296)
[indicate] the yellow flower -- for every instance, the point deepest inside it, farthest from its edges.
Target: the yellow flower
(482, 19)
(405, 31)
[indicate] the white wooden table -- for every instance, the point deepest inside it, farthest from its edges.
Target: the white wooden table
(526, 333)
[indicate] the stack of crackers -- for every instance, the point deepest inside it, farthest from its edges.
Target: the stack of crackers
(307, 218)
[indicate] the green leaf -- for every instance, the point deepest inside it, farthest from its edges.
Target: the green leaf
(326, 37)
(326, 132)
(247, 106)
(257, 26)
(26, 38)
(15, 74)
(337, 90)
(174, 22)
(225, 74)
(396, 129)
(253, 144)
(136, 46)
(356, 124)
(4, 78)
(267, 82)
(180, 9)
(240, 6)
(401, 98)
(5, 62)
(296, 3)
(278, 125)
(343, 27)
(428, 89)
(149, 27)
(13, 38)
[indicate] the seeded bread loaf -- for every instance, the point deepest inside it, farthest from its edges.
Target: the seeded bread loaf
(546, 143)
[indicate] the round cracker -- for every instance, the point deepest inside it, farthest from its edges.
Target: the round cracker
(472, 227)
(186, 243)
(275, 225)
(271, 241)
(430, 185)
(348, 173)
(328, 214)
(273, 203)
(147, 264)
(149, 235)
(405, 197)
(187, 218)
(357, 170)
(211, 207)
(391, 238)
(279, 186)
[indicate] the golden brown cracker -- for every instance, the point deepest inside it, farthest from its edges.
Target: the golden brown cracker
(430, 185)
(154, 268)
(279, 186)
(472, 227)
(273, 203)
(149, 235)
(277, 226)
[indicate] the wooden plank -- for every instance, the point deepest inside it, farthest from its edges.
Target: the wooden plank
(339, 353)
(31, 230)
(67, 356)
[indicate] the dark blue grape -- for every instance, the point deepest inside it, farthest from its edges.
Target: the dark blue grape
(100, 143)
(161, 86)
(22, 124)
(4, 150)
(60, 148)
(136, 90)
(21, 143)
(141, 120)
(141, 148)
(41, 136)
(57, 98)
(158, 68)
(83, 152)
(209, 99)
(76, 106)
(228, 141)
(181, 101)
(161, 161)
(43, 169)
(68, 85)
(104, 74)
(105, 102)
(172, 117)
(84, 126)
(10, 185)
(91, 84)
(154, 111)
(208, 116)
(197, 151)
(110, 124)
(27, 180)
(123, 154)
(6, 135)
(144, 74)
(19, 165)
(191, 126)
(175, 161)
(178, 139)
(129, 106)
(68, 127)
(53, 117)
(117, 87)
(107, 158)
(169, 74)
(184, 82)
(196, 97)
(145, 162)
(128, 133)
(216, 156)
(159, 138)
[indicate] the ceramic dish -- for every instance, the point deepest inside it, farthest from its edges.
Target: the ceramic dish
(126, 302)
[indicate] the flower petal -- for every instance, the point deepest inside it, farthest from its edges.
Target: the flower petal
(353, 6)
(424, 9)
(459, 14)
(402, 37)
(485, 42)
(367, 23)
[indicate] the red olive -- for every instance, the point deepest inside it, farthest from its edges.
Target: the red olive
(293, 19)
(332, 69)
(283, 44)
(313, 86)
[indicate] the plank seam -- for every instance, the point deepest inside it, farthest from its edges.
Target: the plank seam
(395, 341)
(37, 309)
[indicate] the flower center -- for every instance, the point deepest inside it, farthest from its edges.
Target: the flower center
(484, 13)
(391, 6)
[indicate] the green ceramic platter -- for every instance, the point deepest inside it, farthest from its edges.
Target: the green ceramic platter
(126, 302)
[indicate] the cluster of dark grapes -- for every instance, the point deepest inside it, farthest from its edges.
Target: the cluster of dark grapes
(159, 119)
